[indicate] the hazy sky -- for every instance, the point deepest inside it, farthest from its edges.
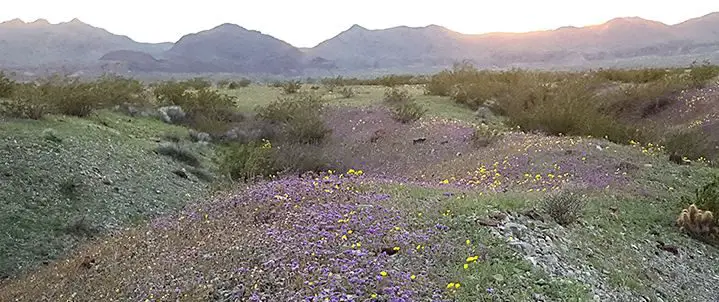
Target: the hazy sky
(305, 23)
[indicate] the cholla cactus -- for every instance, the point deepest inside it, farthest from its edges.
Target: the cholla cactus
(698, 222)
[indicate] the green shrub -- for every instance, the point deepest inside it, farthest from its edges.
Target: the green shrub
(115, 90)
(638, 76)
(333, 83)
(394, 96)
(197, 83)
(27, 102)
(291, 87)
(299, 117)
(246, 162)
(71, 97)
(170, 92)
(564, 207)
(300, 158)
(408, 112)
(701, 74)
(347, 92)
(179, 153)
(207, 109)
(239, 84)
(690, 143)
(7, 86)
(706, 197)
(223, 83)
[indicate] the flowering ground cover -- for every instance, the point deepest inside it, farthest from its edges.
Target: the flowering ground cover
(325, 238)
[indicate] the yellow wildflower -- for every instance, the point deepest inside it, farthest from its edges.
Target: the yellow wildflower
(383, 273)
(450, 285)
(413, 277)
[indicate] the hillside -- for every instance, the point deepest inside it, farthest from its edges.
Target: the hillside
(70, 43)
(381, 194)
(230, 48)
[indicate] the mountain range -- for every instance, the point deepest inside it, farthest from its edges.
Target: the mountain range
(230, 48)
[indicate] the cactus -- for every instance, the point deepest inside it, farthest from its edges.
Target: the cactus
(697, 222)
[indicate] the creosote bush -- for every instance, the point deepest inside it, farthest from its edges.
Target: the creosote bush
(207, 109)
(246, 161)
(403, 106)
(298, 117)
(7, 85)
(706, 197)
(408, 112)
(701, 74)
(291, 87)
(564, 207)
(396, 96)
(347, 92)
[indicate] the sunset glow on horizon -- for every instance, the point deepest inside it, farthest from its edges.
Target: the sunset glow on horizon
(307, 23)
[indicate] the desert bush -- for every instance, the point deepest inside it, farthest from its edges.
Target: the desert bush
(640, 76)
(7, 85)
(246, 162)
(333, 83)
(170, 92)
(115, 90)
(300, 158)
(395, 80)
(347, 92)
(394, 96)
(239, 84)
(27, 103)
(179, 153)
(291, 87)
(566, 108)
(691, 143)
(70, 96)
(223, 83)
(484, 136)
(197, 83)
(705, 197)
(408, 112)
(299, 117)
(564, 207)
(701, 74)
(206, 109)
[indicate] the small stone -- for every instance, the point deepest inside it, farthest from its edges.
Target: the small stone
(107, 182)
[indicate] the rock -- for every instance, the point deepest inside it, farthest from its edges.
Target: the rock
(524, 247)
(171, 114)
(107, 182)
(181, 173)
(517, 229)
(419, 140)
(197, 136)
(488, 222)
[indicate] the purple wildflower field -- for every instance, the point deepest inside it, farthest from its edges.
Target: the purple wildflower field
(325, 238)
